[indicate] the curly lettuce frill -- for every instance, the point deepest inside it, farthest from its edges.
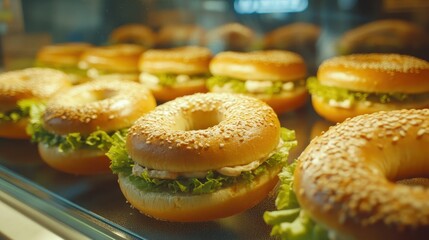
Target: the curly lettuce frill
(121, 163)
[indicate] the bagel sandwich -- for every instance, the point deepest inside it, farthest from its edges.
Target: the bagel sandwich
(276, 77)
(74, 130)
(347, 86)
(23, 92)
(364, 178)
(175, 72)
(64, 57)
(184, 162)
(112, 61)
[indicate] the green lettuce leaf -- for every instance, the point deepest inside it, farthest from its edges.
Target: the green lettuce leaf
(238, 86)
(99, 139)
(24, 107)
(170, 79)
(121, 163)
(69, 69)
(341, 94)
(289, 221)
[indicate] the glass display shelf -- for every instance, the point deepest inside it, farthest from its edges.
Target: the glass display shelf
(95, 206)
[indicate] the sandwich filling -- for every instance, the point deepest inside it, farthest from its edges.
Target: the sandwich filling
(169, 79)
(98, 140)
(290, 221)
(22, 111)
(344, 98)
(69, 69)
(234, 85)
(197, 182)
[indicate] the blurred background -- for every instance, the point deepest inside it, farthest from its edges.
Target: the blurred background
(26, 25)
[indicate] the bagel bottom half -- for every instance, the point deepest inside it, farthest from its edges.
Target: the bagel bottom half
(338, 114)
(193, 208)
(78, 161)
(167, 93)
(285, 102)
(14, 130)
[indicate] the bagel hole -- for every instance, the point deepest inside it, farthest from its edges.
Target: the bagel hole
(199, 120)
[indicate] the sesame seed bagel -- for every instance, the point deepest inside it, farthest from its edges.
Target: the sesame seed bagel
(203, 132)
(345, 179)
(31, 83)
(270, 65)
(182, 60)
(97, 105)
(381, 73)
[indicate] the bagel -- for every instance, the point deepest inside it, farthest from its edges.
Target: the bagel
(275, 77)
(352, 180)
(201, 157)
(22, 90)
(351, 85)
(172, 73)
(365, 178)
(64, 57)
(231, 37)
(119, 59)
(135, 34)
(300, 37)
(385, 36)
(180, 35)
(78, 126)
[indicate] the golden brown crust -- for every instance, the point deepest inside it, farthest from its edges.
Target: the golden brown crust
(135, 34)
(64, 54)
(338, 114)
(80, 161)
(164, 94)
(231, 37)
(270, 65)
(30, 83)
(97, 105)
(345, 178)
(120, 58)
(286, 102)
(381, 73)
(283, 102)
(203, 132)
(204, 207)
(182, 60)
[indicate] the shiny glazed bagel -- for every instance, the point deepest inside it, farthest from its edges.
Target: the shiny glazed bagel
(196, 134)
(345, 178)
(38, 84)
(98, 105)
